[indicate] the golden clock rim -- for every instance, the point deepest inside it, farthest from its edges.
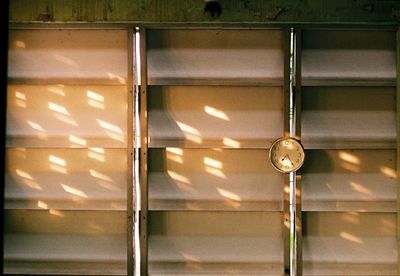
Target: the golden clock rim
(282, 139)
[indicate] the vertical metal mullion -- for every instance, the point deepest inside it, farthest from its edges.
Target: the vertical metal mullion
(130, 179)
(297, 113)
(398, 147)
(143, 223)
(286, 133)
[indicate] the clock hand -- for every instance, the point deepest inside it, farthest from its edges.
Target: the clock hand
(290, 160)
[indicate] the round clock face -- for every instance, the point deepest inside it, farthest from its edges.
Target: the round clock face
(286, 155)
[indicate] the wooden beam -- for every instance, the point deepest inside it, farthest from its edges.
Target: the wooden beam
(286, 133)
(192, 11)
(130, 151)
(143, 156)
(297, 115)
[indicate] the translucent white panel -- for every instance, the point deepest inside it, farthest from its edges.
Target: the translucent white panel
(348, 57)
(231, 117)
(216, 56)
(216, 243)
(349, 244)
(93, 178)
(349, 117)
(349, 180)
(65, 242)
(68, 54)
(200, 179)
(66, 116)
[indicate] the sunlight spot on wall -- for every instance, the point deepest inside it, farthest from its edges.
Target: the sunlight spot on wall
(177, 151)
(58, 108)
(350, 217)
(95, 99)
(189, 257)
(95, 96)
(350, 237)
(230, 142)
(215, 172)
(348, 157)
(216, 113)
(359, 188)
(56, 90)
(178, 177)
(20, 44)
(232, 203)
(228, 194)
(388, 172)
(32, 184)
(109, 126)
(193, 138)
(175, 158)
(74, 191)
(20, 100)
(57, 160)
(77, 140)
(20, 152)
(35, 126)
(20, 95)
(97, 154)
(100, 175)
(66, 119)
(96, 104)
(113, 76)
(65, 60)
(57, 164)
(23, 174)
(108, 186)
(350, 167)
(188, 129)
(212, 162)
(42, 204)
(56, 213)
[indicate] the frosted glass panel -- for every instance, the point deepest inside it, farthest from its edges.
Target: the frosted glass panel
(206, 179)
(66, 116)
(350, 180)
(208, 116)
(349, 117)
(349, 243)
(215, 243)
(348, 57)
(216, 56)
(68, 54)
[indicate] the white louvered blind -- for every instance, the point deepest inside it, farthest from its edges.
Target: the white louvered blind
(215, 106)
(66, 166)
(349, 180)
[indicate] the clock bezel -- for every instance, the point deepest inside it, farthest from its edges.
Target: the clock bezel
(277, 141)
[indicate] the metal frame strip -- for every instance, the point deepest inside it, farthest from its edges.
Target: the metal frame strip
(143, 222)
(398, 147)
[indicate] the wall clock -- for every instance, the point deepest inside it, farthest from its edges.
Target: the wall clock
(286, 155)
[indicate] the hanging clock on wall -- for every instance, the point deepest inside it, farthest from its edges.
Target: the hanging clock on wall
(286, 155)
